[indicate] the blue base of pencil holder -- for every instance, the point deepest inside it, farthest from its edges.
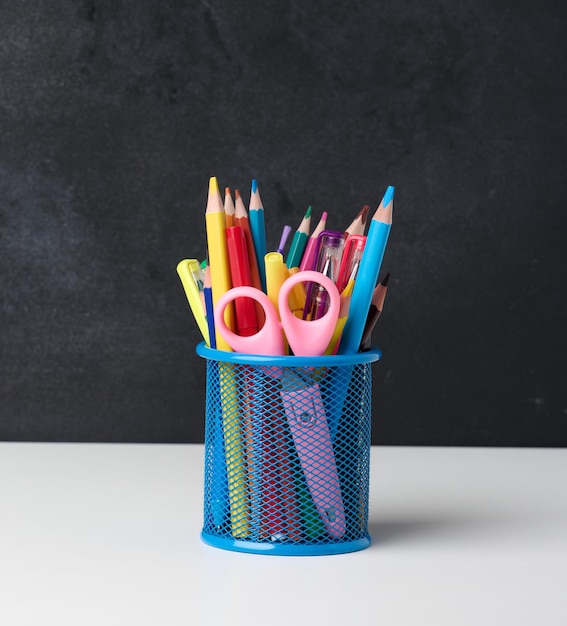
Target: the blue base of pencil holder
(283, 549)
(287, 452)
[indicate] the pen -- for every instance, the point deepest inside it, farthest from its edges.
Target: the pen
(256, 217)
(209, 308)
(218, 254)
(307, 258)
(368, 271)
(189, 272)
(350, 262)
(299, 241)
(376, 306)
(329, 250)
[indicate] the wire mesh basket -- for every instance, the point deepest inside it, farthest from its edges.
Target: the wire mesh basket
(287, 452)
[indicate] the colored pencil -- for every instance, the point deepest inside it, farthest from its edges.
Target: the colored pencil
(228, 208)
(376, 306)
(241, 219)
(218, 255)
(311, 245)
(358, 224)
(368, 271)
(299, 241)
(258, 229)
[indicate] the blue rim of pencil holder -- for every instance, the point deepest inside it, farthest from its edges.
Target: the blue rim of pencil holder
(209, 534)
(371, 356)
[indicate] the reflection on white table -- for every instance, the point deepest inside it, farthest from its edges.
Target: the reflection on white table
(109, 534)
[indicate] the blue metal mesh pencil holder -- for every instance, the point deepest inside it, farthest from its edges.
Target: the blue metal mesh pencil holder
(287, 452)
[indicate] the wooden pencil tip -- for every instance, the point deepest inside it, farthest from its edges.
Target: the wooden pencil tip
(308, 212)
(364, 213)
(236, 193)
(254, 186)
(388, 196)
(385, 280)
(227, 191)
(213, 185)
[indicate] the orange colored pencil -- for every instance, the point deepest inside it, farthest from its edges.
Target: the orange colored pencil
(228, 208)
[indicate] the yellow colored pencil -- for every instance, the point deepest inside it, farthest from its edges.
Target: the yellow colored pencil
(218, 255)
(235, 463)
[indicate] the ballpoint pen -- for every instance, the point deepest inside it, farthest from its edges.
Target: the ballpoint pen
(350, 262)
(329, 252)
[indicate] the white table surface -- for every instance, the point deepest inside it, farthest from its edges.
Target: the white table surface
(109, 534)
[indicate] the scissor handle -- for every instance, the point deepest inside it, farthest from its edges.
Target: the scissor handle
(309, 338)
(268, 340)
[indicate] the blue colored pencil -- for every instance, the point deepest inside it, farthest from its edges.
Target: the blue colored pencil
(367, 276)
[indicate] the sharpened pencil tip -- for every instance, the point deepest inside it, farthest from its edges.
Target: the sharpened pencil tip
(364, 213)
(213, 185)
(385, 280)
(254, 186)
(388, 196)
(227, 191)
(308, 212)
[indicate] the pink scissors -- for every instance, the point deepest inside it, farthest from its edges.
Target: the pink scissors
(301, 397)
(306, 338)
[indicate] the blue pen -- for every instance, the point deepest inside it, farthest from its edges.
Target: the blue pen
(258, 230)
(368, 271)
(209, 309)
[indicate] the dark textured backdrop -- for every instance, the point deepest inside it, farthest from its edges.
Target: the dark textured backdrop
(113, 115)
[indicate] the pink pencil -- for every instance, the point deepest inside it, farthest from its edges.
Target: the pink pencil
(307, 258)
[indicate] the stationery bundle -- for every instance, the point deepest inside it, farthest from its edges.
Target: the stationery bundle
(287, 339)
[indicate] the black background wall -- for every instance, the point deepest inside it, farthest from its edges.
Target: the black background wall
(113, 116)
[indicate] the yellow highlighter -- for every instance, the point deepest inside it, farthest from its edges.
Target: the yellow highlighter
(342, 319)
(189, 271)
(297, 296)
(276, 274)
